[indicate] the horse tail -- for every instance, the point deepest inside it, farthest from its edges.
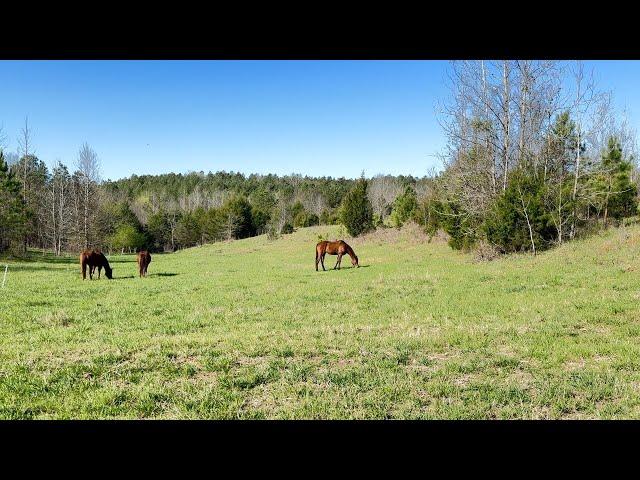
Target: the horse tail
(83, 266)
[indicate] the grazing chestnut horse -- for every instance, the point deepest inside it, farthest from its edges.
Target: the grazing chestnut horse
(93, 259)
(144, 259)
(338, 248)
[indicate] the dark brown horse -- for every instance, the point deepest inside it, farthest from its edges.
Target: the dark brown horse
(338, 248)
(93, 259)
(144, 259)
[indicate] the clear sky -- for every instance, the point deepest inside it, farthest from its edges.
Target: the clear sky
(332, 118)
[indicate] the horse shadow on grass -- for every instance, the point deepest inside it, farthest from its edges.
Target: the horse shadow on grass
(127, 277)
(346, 268)
(123, 260)
(162, 274)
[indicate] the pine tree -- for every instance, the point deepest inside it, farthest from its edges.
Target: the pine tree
(404, 207)
(518, 219)
(237, 211)
(12, 210)
(620, 194)
(356, 212)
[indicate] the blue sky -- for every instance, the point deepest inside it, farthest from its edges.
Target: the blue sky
(332, 118)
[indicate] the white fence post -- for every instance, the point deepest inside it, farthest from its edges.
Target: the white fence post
(6, 267)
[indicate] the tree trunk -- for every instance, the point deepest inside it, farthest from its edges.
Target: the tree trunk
(86, 212)
(506, 121)
(526, 216)
(575, 189)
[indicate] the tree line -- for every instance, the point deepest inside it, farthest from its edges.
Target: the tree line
(60, 210)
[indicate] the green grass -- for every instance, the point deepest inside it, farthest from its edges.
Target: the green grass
(248, 329)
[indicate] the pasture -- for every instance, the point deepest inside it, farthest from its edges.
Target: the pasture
(248, 329)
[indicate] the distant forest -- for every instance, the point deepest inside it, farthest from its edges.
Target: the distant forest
(536, 156)
(66, 212)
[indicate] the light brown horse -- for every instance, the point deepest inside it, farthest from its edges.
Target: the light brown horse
(338, 248)
(144, 259)
(93, 259)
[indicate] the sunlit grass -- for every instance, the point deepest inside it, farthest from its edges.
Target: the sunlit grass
(249, 329)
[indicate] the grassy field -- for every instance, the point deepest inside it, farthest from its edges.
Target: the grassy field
(248, 329)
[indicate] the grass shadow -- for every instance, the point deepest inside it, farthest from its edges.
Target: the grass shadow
(17, 267)
(38, 303)
(38, 257)
(122, 260)
(163, 274)
(35, 256)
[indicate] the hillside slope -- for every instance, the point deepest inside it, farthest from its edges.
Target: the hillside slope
(249, 329)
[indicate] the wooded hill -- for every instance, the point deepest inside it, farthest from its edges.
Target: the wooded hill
(56, 210)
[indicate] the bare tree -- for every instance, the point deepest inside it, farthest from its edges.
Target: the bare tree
(59, 215)
(382, 191)
(3, 138)
(505, 104)
(280, 214)
(216, 198)
(173, 218)
(501, 116)
(313, 202)
(88, 165)
(586, 98)
(231, 222)
(64, 206)
(25, 148)
(526, 216)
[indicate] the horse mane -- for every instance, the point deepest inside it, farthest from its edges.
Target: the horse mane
(349, 250)
(103, 259)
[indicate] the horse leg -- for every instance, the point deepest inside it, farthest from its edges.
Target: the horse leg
(99, 270)
(319, 259)
(337, 261)
(91, 272)
(84, 271)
